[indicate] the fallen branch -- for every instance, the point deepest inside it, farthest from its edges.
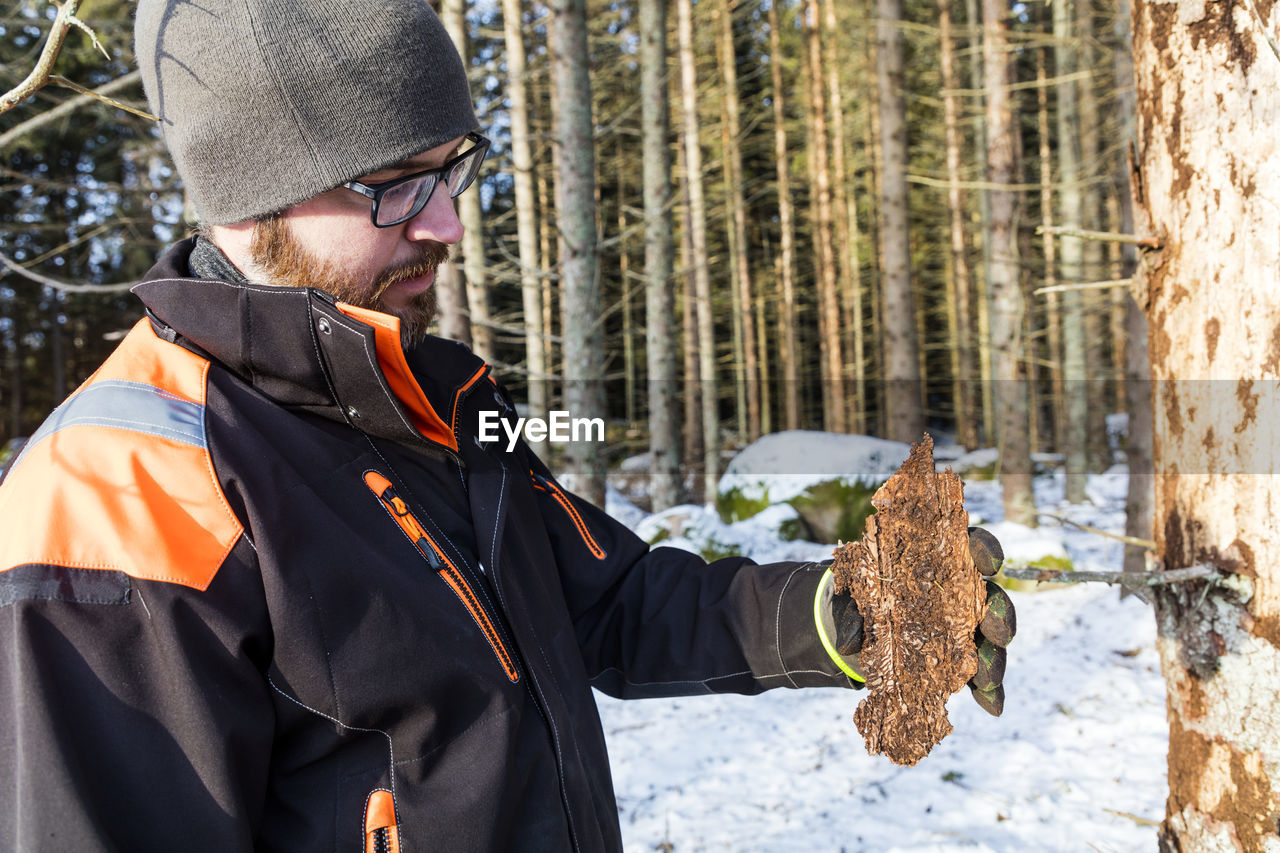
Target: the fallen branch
(1200, 571)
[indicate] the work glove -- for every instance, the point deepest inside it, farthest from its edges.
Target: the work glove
(841, 631)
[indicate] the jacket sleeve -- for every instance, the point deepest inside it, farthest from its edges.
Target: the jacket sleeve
(664, 622)
(134, 714)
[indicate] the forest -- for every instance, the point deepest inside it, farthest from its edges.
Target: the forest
(710, 221)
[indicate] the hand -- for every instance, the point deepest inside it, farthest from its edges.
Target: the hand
(841, 631)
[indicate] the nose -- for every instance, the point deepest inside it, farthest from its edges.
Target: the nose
(437, 221)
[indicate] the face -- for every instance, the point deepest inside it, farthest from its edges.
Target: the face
(329, 242)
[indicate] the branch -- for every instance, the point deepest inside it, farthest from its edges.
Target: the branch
(39, 76)
(1100, 236)
(72, 104)
(1128, 540)
(57, 284)
(1202, 571)
(1088, 285)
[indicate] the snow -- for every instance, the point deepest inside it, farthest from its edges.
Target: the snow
(1077, 761)
(782, 465)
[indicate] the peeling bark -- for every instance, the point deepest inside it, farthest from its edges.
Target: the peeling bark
(1208, 93)
(921, 600)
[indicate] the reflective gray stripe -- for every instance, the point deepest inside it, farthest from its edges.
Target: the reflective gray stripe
(131, 406)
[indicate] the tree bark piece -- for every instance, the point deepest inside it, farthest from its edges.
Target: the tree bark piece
(921, 599)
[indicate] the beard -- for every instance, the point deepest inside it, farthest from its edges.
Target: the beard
(288, 263)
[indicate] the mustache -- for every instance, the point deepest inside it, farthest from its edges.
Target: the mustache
(429, 258)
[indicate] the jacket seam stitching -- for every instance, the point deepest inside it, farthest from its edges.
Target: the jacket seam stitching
(777, 639)
(391, 750)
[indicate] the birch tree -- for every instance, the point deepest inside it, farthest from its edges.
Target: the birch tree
(1208, 98)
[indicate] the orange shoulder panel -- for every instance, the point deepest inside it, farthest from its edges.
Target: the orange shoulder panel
(120, 476)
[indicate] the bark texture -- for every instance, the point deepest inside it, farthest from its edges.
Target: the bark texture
(1208, 92)
(579, 260)
(901, 341)
(921, 599)
(659, 262)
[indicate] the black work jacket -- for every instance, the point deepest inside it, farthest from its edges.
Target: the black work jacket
(262, 587)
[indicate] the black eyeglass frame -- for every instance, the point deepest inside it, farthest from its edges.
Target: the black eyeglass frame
(374, 192)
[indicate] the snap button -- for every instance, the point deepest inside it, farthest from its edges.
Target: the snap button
(353, 412)
(323, 325)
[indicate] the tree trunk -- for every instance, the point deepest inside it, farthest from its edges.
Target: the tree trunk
(973, 16)
(692, 383)
(1208, 92)
(526, 211)
(451, 298)
(701, 273)
(1097, 362)
(1007, 306)
(1140, 502)
(474, 271)
(962, 370)
(901, 342)
(786, 228)
(824, 260)
(660, 337)
(1075, 441)
(1053, 316)
(738, 230)
(579, 273)
(846, 243)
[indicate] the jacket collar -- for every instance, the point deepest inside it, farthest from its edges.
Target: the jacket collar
(305, 351)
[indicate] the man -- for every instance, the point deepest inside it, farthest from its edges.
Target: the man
(263, 587)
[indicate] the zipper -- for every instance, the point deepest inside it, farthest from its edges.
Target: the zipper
(444, 567)
(381, 835)
(543, 484)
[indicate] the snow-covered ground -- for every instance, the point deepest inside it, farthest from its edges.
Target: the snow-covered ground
(1076, 763)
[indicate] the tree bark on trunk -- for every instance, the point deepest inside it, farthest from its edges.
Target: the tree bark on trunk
(901, 342)
(451, 299)
(579, 261)
(1097, 360)
(846, 233)
(1208, 92)
(786, 229)
(526, 212)
(701, 273)
(1053, 316)
(474, 271)
(1140, 502)
(660, 337)
(738, 230)
(1072, 266)
(824, 259)
(962, 367)
(1007, 303)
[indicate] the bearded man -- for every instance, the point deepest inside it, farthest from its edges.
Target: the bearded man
(263, 586)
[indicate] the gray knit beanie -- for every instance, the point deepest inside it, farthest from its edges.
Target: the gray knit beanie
(266, 103)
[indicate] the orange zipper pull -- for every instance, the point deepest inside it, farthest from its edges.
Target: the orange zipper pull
(381, 835)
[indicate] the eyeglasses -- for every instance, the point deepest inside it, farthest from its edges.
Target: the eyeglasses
(401, 199)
